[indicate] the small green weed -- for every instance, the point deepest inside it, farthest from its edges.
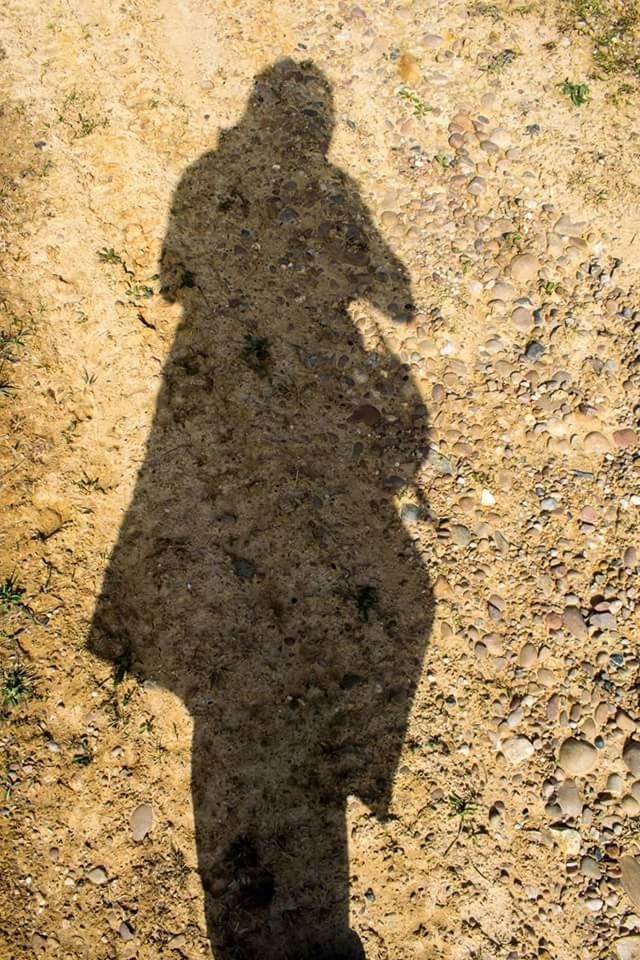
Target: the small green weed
(578, 93)
(84, 753)
(109, 255)
(464, 808)
(485, 10)
(366, 599)
(501, 60)
(256, 352)
(89, 378)
(420, 108)
(587, 8)
(16, 685)
(11, 595)
(139, 291)
(9, 340)
(88, 484)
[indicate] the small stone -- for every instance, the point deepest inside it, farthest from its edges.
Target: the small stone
(534, 351)
(630, 558)
(517, 749)
(596, 442)
(625, 438)
(631, 879)
(522, 318)
(366, 413)
(244, 568)
(566, 228)
(524, 268)
(460, 535)
(631, 756)
(614, 783)
(574, 622)
(97, 876)
(477, 187)
(589, 868)
(528, 656)
(567, 839)
(628, 948)
(141, 821)
(630, 805)
(569, 799)
(125, 931)
(577, 757)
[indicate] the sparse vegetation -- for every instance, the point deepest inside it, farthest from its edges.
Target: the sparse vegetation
(256, 352)
(578, 93)
(74, 114)
(11, 594)
(420, 108)
(16, 686)
(109, 255)
(83, 755)
(500, 60)
(614, 28)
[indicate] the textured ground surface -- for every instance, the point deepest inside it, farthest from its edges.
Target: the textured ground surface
(510, 826)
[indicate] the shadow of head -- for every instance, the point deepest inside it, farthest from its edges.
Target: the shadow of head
(297, 97)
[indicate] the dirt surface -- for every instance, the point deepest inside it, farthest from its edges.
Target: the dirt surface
(319, 396)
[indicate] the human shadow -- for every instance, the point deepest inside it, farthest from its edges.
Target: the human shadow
(261, 572)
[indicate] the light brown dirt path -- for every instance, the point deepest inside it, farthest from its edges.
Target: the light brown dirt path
(451, 120)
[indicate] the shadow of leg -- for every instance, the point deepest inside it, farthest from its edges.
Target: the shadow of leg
(273, 867)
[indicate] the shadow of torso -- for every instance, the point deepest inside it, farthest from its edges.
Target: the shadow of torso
(261, 572)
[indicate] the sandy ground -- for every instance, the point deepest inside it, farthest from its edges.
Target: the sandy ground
(473, 576)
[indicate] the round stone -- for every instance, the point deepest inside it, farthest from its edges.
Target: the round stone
(631, 879)
(596, 442)
(577, 757)
(631, 756)
(141, 821)
(524, 268)
(628, 948)
(517, 749)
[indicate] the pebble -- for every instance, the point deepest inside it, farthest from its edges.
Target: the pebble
(575, 623)
(141, 821)
(517, 749)
(244, 568)
(631, 756)
(577, 757)
(589, 868)
(460, 535)
(628, 948)
(625, 438)
(528, 656)
(97, 876)
(630, 805)
(524, 268)
(569, 799)
(596, 442)
(566, 838)
(534, 350)
(477, 187)
(630, 870)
